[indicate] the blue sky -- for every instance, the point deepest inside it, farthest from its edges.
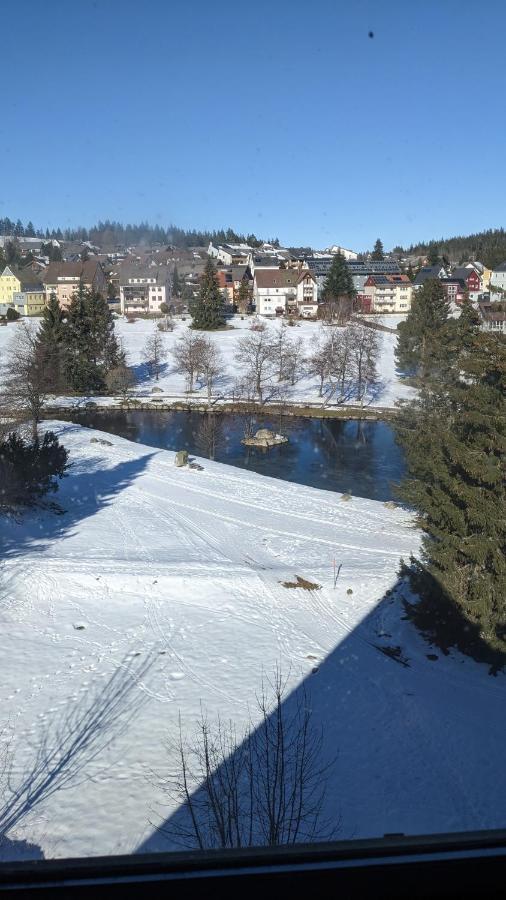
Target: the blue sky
(280, 118)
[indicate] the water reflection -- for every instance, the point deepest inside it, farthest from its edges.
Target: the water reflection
(359, 457)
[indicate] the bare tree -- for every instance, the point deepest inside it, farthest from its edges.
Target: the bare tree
(279, 343)
(211, 364)
(365, 347)
(342, 362)
(263, 788)
(120, 380)
(293, 360)
(154, 354)
(255, 353)
(209, 436)
(319, 361)
(187, 352)
(26, 383)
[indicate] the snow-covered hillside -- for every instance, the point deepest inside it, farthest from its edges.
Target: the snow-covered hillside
(133, 337)
(171, 578)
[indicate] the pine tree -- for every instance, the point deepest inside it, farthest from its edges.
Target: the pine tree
(176, 283)
(30, 230)
(244, 297)
(378, 253)
(207, 308)
(339, 282)
(50, 341)
(422, 336)
(91, 348)
(433, 254)
(456, 483)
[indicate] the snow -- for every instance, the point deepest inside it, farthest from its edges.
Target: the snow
(172, 385)
(176, 575)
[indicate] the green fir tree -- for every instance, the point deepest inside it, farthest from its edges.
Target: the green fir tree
(50, 342)
(454, 436)
(378, 253)
(339, 282)
(91, 348)
(422, 335)
(176, 283)
(207, 308)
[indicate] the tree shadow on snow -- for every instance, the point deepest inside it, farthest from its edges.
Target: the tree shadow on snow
(141, 373)
(69, 741)
(89, 488)
(417, 735)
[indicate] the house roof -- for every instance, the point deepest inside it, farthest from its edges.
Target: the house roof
(501, 268)
(276, 278)
(427, 272)
(85, 271)
(387, 279)
(303, 274)
(463, 272)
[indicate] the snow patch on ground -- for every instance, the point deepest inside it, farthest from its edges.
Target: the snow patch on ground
(133, 336)
(177, 577)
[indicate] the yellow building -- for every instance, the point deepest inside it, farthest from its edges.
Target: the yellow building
(31, 300)
(22, 290)
(10, 284)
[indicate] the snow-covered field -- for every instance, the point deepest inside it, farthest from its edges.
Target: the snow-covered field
(386, 392)
(172, 579)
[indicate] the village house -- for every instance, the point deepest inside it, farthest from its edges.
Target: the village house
(426, 273)
(22, 290)
(498, 282)
(471, 279)
(455, 289)
(492, 317)
(230, 281)
(144, 291)
(307, 295)
(274, 290)
(388, 293)
(64, 278)
(230, 254)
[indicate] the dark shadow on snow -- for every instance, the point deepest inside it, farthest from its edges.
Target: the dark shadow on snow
(68, 743)
(89, 489)
(404, 749)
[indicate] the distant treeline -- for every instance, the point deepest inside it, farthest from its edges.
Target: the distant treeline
(112, 234)
(488, 247)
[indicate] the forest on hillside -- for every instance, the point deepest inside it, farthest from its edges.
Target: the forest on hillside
(109, 234)
(488, 247)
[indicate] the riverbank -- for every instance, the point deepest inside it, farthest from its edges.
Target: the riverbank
(219, 406)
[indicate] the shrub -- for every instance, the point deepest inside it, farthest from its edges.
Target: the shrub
(12, 314)
(29, 471)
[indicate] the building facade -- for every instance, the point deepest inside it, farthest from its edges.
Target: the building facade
(63, 279)
(145, 292)
(274, 290)
(389, 293)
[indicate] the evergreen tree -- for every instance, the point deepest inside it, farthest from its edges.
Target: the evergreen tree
(244, 297)
(207, 308)
(456, 483)
(422, 335)
(30, 230)
(378, 253)
(90, 345)
(410, 272)
(176, 283)
(50, 341)
(339, 282)
(433, 254)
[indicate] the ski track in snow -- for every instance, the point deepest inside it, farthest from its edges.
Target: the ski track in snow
(185, 568)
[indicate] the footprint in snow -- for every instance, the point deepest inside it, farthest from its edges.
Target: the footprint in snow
(177, 676)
